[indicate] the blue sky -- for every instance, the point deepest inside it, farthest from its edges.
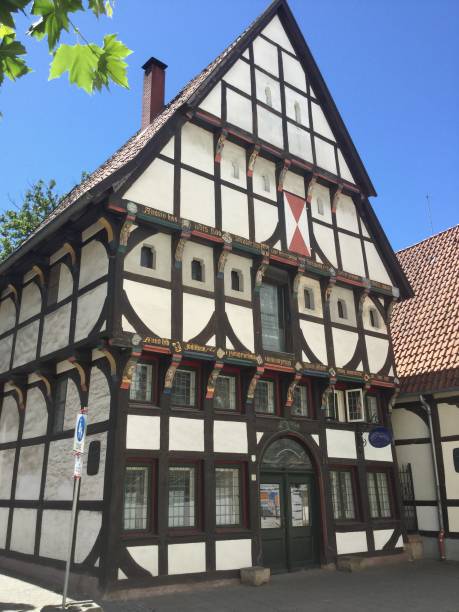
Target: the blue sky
(392, 67)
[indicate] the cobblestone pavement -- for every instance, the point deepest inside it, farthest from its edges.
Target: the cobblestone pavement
(423, 586)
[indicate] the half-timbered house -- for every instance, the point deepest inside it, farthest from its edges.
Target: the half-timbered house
(218, 295)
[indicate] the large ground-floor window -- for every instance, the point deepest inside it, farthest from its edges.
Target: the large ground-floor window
(379, 494)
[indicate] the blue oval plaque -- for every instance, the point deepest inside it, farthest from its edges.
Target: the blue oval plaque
(379, 437)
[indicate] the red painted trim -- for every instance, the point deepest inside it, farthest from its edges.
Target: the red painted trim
(206, 236)
(206, 117)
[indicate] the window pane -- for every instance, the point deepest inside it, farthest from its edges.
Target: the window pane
(183, 389)
(299, 502)
(300, 401)
(372, 409)
(227, 496)
(271, 310)
(264, 397)
(332, 406)
(383, 494)
(225, 393)
(347, 495)
(60, 397)
(136, 485)
(336, 500)
(182, 495)
(140, 389)
(270, 509)
(374, 511)
(354, 405)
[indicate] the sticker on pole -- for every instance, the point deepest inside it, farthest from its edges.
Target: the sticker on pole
(379, 437)
(80, 433)
(78, 468)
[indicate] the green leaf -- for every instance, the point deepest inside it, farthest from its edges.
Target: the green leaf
(11, 64)
(54, 18)
(111, 65)
(80, 61)
(100, 7)
(10, 7)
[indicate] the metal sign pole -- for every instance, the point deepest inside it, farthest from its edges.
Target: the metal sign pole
(76, 489)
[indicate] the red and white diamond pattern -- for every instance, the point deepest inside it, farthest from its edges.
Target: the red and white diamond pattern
(296, 224)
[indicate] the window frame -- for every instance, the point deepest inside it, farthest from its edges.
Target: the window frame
(373, 471)
(374, 396)
(283, 292)
(154, 402)
(354, 490)
(274, 381)
(341, 309)
(374, 316)
(240, 280)
(235, 374)
(305, 384)
(308, 291)
(202, 268)
(362, 406)
(153, 254)
(338, 393)
(243, 494)
(152, 497)
(198, 498)
(196, 370)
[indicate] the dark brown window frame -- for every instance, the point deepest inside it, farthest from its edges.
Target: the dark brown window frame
(243, 495)
(152, 498)
(390, 491)
(352, 471)
(197, 465)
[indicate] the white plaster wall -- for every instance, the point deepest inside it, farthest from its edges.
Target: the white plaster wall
(235, 212)
(233, 554)
(239, 76)
(344, 168)
(376, 268)
(243, 265)
(453, 519)
(299, 142)
(325, 154)
(56, 330)
(270, 127)
(197, 148)
(6, 472)
(368, 305)
(161, 243)
(197, 201)
(5, 352)
(197, 312)
(29, 472)
(65, 283)
(382, 536)
(30, 302)
(408, 425)
(186, 558)
(239, 110)
(346, 214)
(449, 419)
(294, 183)
(275, 31)
(264, 167)
(263, 81)
(326, 242)
(4, 513)
(427, 518)
(376, 454)
(146, 557)
(205, 254)
(9, 420)
(351, 254)
(320, 193)
(266, 220)
(89, 524)
(186, 434)
(344, 345)
(265, 55)
(293, 72)
(348, 296)
(351, 542)
(26, 344)
(420, 457)
(54, 524)
(451, 476)
(169, 148)
(341, 444)
(99, 396)
(230, 437)
(314, 334)
(142, 432)
(212, 103)
(7, 315)
(36, 414)
(94, 263)
(291, 97)
(72, 405)
(377, 349)
(241, 321)
(89, 309)
(233, 153)
(23, 530)
(154, 187)
(152, 305)
(314, 285)
(320, 123)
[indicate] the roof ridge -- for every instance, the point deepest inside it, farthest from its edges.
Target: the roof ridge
(453, 227)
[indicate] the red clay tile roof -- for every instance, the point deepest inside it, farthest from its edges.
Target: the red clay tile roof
(425, 329)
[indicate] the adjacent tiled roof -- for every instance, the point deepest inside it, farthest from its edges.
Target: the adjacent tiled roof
(425, 329)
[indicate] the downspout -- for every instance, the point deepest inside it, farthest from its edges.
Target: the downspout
(441, 533)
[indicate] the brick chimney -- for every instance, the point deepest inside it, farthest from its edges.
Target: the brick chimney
(153, 90)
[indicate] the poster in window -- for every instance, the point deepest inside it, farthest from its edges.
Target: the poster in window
(299, 499)
(270, 506)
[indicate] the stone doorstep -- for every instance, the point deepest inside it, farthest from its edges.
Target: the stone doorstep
(415, 547)
(255, 576)
(75, 606)
(353, 563)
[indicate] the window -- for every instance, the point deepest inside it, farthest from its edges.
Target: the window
(309, 299)
(236, 280)
(182, 496)
(273, 324)
(378, 494)
(297, 109)
(300, 401)
(53, 284)
(374, 319)
(266, 185)
(141, 385)
(197, 270)
(225, 393)
(342, 309)
(60, 396)
(320, 206)
(342, 495)
(268, 96)
(228, 496)
(137, 479)
(148, 257)
(354, 405)
(235, 169)
(372, 409)
(184, 388)
(331, 408)
(263, 400)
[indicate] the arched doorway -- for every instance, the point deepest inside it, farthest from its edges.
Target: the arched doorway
(289, 505)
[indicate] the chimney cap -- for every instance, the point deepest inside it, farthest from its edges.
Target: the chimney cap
(154, 62)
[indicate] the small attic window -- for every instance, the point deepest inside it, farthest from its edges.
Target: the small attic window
(297, 110)
(268, 96)
(235, 169)
(148, 257)
(342, 308)
(266, 185)
(374, 318)
(320, 206)
(197, 270)
(236, 280)
(309, 299)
